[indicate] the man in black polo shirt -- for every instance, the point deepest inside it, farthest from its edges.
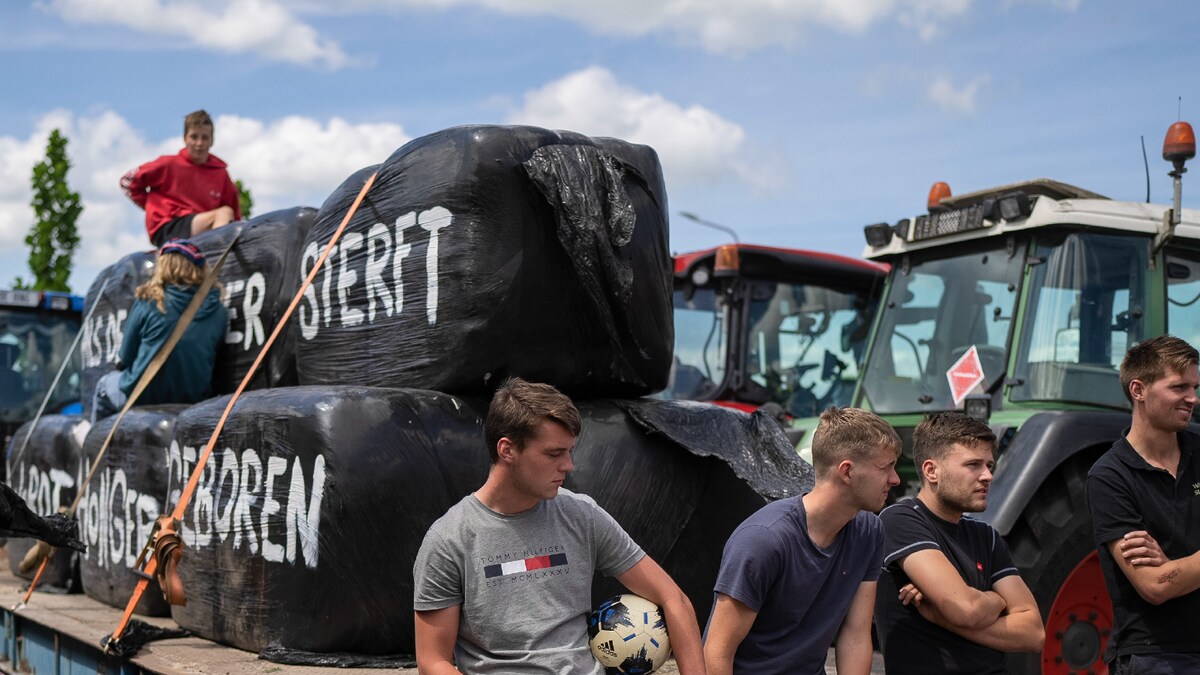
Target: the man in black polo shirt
(1144, 494)
(950, 599)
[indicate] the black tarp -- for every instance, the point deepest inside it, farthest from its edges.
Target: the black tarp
(485, 251)
(102, 334)
(116, 515)
(270, 559)
(258, 281)
(46, 476)
(305, 526)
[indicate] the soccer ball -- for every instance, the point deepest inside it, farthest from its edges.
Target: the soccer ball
(628, 634)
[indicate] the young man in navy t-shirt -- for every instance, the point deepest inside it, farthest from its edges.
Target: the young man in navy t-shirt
(799, 575)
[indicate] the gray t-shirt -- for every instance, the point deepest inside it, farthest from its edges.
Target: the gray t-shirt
(524, 581)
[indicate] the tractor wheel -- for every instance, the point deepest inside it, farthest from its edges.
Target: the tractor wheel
(1052, 546)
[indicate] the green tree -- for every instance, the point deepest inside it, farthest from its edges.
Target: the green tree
(245, 201)
(53, 238)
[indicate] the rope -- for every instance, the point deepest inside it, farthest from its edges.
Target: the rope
(194, 480)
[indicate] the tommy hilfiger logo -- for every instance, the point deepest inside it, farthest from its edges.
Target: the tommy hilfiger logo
(607, 648)
(526, 565)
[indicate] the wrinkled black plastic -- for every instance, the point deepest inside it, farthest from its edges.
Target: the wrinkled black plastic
(258, 282)
(486, 251)
(388, 463)
(126, 494)
(759, 453)
(292, 657)
(103, 332)
(136, 635)
(679, 477)
(46, 478)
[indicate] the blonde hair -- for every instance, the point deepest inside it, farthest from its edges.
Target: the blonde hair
(173, 269)
(198, 118)
(850, 434)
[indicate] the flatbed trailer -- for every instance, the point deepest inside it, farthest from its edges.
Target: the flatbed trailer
(59, 634)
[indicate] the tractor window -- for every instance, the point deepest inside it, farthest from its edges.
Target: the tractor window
(1085, 310)
(804, 344)
(32, 346)
(701, 327)
(1183, 295)
(935, 311)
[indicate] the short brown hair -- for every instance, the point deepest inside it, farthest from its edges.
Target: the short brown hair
(198, 118)
(1153, 359)
(939, 432)
(849, 434)
(518, 409)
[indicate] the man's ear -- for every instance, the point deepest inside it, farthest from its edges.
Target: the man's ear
(929, 471)
(1137, 390)
(505, 449)
(844, 469)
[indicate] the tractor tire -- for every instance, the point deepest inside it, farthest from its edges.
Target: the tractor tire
(1052, 546)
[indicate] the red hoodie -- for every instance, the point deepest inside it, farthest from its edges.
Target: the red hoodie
(173, 186)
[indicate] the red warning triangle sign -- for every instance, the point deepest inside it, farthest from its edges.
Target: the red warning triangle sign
(965, 375)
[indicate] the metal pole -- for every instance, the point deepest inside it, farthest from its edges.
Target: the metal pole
(707, 223)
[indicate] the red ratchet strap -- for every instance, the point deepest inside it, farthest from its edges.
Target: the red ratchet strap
(152, 561)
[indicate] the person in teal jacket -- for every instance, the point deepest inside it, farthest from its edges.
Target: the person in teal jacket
(186, 377)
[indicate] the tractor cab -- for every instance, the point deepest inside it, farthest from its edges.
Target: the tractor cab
(757, 325)
(37, 330)
(1017, 304)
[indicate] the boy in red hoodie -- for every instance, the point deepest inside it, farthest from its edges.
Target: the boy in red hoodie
(186, 193)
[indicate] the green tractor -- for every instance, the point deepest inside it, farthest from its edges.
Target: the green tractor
(1017, 304)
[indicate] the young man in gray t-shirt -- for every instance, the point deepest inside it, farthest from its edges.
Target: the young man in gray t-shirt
(503, 580)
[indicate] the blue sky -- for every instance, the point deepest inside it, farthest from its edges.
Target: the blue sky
(795, 122)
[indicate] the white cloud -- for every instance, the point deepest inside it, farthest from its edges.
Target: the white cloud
(233, 26)
(274, 28)
(694, 144)
(719, 26)
(293, 161)
(957, 99)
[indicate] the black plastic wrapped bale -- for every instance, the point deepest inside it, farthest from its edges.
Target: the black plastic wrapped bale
(258, 281)
(679, 477)
(103, 333)
(47, 477)
(117, 512)
(485, 251)
(308, 516)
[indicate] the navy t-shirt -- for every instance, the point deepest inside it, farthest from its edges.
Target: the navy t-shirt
(911, 645)
(800, 591)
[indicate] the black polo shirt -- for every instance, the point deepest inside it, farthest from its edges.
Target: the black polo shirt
(911, 645)
(1126, 493)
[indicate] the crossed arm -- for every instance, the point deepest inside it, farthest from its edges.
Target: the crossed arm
(1155, 577)
(1005, 618)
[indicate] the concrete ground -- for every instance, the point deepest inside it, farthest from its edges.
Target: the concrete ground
(876, 666)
